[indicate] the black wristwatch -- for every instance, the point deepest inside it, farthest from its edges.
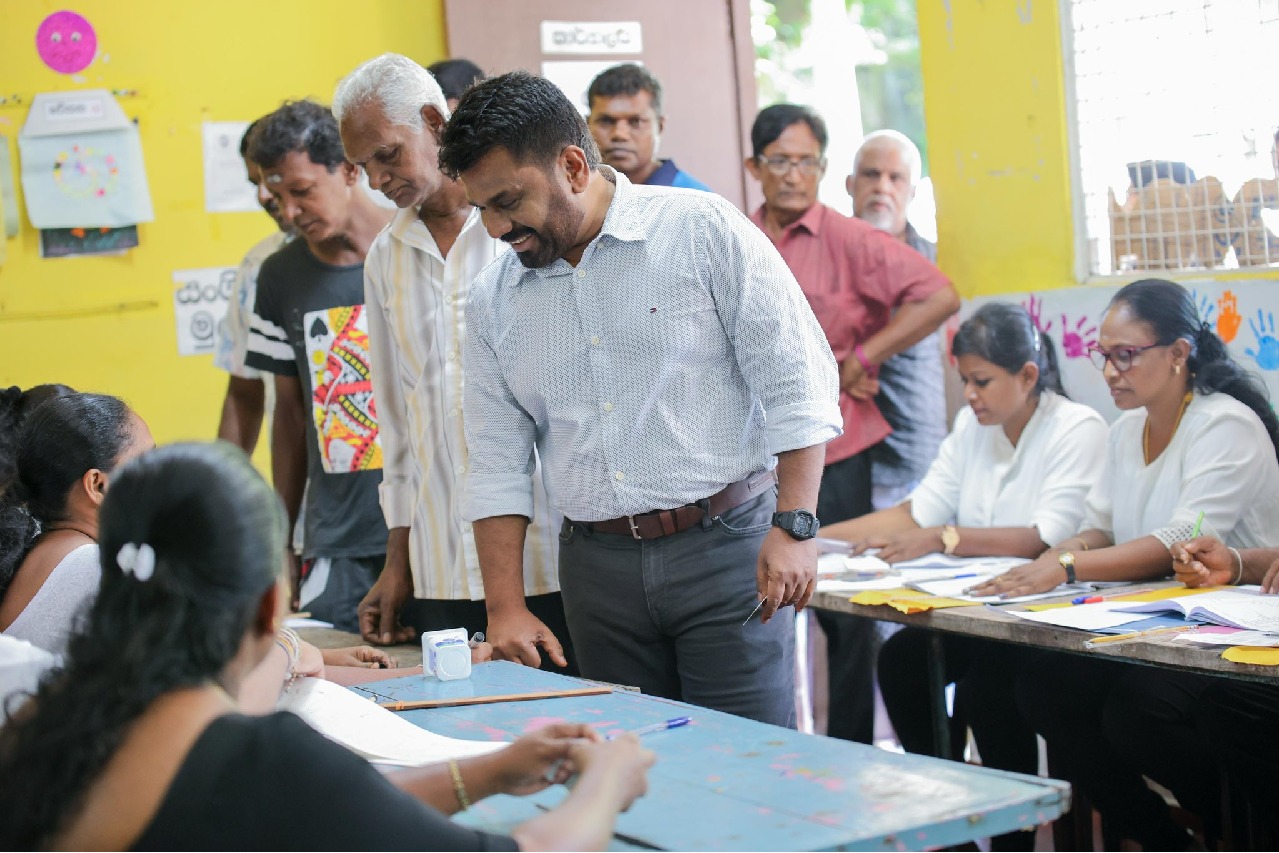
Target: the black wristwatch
(800, 524)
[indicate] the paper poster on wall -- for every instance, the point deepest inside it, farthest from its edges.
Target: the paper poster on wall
(620, 37)
(200, 300)
(82, 163)
(574, 76)
(8, 191)
(227, 188)
(72, 242)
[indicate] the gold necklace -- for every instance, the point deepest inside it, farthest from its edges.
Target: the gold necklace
(1145, 433)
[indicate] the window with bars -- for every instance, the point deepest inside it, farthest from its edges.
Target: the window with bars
(1176, 110)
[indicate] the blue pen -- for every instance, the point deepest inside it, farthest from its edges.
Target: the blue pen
(661, 727)
(965, 575)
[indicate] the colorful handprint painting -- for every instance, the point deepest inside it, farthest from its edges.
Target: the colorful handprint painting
(1267, 352)
(1076, 338)
(1229, 319)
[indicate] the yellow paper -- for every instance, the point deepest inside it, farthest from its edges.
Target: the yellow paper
(907, 600)
(1149, 595)
(1260, 655)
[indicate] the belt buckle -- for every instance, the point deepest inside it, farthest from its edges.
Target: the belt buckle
(630, 519)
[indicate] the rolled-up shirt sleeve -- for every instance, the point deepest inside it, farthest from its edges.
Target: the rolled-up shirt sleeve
(779, 345)
(398, 490)
(500, 434)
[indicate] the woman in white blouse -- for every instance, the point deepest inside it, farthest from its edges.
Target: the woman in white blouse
(1009, 480)
(1198, 436)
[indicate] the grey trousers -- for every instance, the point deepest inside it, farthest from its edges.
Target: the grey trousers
(666, 615)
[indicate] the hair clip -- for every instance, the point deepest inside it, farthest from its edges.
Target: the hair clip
(137, 560)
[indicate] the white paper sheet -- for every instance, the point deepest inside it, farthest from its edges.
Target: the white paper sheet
(1233, 638)
(226, 182)
(371, 731)
(1086, 617)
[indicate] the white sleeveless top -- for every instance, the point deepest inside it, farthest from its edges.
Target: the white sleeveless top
(56, 610)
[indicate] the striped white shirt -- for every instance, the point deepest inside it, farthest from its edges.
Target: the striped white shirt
(677, 357)
(416, 302)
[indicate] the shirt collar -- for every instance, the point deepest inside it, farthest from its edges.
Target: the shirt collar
(811, 221)
(664, 175)
(619, 224)
(409, 229)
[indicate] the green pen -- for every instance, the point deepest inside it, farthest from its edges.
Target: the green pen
(1198, 524)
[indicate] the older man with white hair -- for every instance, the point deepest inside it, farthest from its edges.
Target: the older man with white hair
(417, 279)
(886, 170)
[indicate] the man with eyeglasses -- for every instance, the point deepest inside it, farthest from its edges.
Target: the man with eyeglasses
(874, 296)
(626, 121)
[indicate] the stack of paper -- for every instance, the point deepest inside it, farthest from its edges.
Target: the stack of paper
(1242, 607)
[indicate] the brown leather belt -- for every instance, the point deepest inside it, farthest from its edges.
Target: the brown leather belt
(665, 522)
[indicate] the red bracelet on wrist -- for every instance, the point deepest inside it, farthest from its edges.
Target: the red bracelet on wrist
(872, 370)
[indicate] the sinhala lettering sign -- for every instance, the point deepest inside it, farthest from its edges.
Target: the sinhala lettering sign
(596, 37)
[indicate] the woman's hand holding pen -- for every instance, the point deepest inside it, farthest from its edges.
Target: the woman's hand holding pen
(1203, 561)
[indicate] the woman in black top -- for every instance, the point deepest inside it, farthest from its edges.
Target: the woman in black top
(139, 743)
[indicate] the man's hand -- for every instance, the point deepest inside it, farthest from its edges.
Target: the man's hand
(515, 634)
(379, 612)
(786, 572)
(854, 381)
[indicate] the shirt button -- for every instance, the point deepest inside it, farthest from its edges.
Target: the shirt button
(461, 469)
(595, 340)
(452, 413)
(608, 407)
(448, 300)
(619, 476)
(581, 273)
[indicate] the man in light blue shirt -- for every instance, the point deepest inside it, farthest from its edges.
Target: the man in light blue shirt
(653, 349)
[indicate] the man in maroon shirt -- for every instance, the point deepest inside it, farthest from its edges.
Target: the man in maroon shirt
(874, 297)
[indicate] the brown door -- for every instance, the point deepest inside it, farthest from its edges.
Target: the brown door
(700, 50)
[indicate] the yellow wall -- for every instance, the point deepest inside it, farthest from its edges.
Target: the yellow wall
(106, 324)
(994, 105)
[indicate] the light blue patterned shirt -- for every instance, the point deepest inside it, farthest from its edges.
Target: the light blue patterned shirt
(678, 356)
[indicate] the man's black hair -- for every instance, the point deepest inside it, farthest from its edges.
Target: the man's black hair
(297, 126)
(455, 76)
(244, 140)
(528, 116)
(624, 81)
(773, 121)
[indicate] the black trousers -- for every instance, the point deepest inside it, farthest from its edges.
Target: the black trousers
(433, 614)
(852, 643)
(1107, 724)
(1240, 723)
(985, 700)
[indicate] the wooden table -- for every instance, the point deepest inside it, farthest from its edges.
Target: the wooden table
(996, 623)
(727, 783)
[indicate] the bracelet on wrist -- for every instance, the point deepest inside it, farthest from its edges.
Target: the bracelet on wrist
(1239, 560)
(288, 640)
(872, 370)
(459, 787)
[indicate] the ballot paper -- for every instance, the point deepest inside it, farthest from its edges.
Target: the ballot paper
(373, 732)
(957, 588)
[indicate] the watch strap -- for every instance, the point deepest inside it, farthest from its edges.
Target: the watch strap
(1067, 561)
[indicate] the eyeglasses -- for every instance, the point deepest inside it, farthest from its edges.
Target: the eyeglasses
(779, 166)
(1120, 357)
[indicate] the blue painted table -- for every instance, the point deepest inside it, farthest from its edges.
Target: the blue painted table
(726, 783)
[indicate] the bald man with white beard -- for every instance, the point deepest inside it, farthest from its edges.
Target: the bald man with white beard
(886, 170)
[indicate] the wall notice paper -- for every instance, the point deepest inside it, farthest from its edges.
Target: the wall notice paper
(1242, 607)
(371, 731)
(82, 163)
(75, 242)
(227, 188)
(200, 299)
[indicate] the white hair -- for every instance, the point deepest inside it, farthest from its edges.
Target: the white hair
(903, 144)
(397, 84)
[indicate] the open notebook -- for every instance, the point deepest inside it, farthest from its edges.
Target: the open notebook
(1242, 607)
(371, 731)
